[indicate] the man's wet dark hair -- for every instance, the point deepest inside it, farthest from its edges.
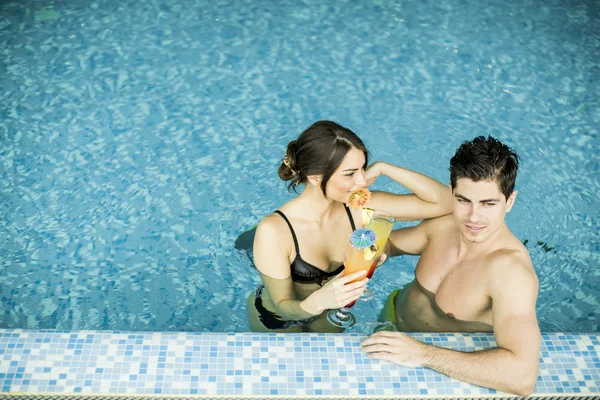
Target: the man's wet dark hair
(485, 159)
(319, 150)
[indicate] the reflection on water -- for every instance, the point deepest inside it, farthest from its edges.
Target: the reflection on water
(138, 140)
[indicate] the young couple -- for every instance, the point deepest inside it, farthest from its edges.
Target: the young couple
(473, 274)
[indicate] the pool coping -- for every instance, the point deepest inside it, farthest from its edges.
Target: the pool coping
(261, 365)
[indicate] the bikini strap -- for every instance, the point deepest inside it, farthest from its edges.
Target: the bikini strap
(350, 217)
(291, 230)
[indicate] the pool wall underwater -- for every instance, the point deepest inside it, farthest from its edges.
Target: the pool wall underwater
(105, 364)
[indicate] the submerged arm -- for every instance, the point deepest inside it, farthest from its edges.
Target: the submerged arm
(271, 257)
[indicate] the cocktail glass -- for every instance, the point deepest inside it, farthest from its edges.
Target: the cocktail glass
(359, 258)
(381, 222)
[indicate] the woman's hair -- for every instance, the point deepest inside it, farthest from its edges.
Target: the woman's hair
(485, 159)
(319, 150)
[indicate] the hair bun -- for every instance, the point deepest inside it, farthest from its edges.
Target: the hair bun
(288, 169)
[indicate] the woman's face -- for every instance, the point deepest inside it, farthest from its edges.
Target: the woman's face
(348, 177)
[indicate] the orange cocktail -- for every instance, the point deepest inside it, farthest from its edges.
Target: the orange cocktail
(359, 260)
(360, 257)
(381, 222)
(362, 253)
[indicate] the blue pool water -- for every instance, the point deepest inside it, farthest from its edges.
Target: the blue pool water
(138, 139)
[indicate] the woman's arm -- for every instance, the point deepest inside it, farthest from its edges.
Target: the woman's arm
(430, 199)
(272, 246)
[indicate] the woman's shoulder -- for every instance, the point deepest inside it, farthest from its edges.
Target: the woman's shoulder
(273, 247)
(271, 222)
(273, 226)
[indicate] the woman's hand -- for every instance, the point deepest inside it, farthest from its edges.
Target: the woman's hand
(373, 172)
(336, 293)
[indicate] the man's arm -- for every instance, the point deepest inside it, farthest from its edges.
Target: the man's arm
(512, 367)
(410, 240)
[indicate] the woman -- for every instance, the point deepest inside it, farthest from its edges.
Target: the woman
(299, 249)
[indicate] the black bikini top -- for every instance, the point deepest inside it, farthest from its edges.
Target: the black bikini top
(303, 272)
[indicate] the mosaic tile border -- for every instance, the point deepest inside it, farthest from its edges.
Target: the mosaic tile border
(44, 396)
(237, 365)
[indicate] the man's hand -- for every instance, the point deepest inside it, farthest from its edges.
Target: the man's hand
(382, 259)
(395, 347)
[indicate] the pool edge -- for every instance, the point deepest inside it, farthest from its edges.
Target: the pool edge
(113, 364)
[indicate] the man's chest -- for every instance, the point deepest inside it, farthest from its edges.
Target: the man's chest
(459, 287)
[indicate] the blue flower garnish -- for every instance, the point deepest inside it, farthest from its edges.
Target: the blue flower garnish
(363, 238)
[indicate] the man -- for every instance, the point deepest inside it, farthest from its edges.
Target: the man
(473, 275)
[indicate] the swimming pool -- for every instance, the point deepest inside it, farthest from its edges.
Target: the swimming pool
(138, 140)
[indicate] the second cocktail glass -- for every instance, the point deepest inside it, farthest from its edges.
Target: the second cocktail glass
(381, 222)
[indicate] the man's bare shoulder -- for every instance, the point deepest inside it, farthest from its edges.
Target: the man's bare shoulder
(512, 252)
(511, 265)
(513, 287)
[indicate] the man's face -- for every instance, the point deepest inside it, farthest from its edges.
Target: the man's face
(479, 208)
